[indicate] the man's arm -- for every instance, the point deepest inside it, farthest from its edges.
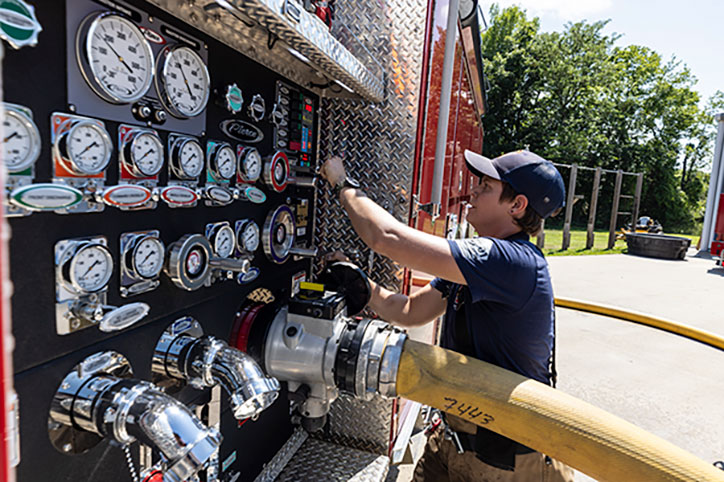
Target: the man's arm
(408, 311)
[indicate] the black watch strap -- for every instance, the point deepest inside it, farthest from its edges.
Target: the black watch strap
(348, 182)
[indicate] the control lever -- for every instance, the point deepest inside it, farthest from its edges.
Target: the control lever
(111, 318)
(230, 264)
(303, 181)
(304, 252)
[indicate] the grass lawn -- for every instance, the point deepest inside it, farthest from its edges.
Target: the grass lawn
(554, 240)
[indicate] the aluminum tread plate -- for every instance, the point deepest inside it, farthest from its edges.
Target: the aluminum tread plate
(275, 466)
(320, 461)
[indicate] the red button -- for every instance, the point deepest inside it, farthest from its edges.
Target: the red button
(154, 477)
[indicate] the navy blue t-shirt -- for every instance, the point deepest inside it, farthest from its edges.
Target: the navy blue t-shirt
(508, 304)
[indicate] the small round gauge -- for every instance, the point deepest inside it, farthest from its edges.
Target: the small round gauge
(183, 82)
(223, 241)
(187, 158)
(249, 236)
(147, 257)
(21, 141)
(86, 147)
(115, 58)
(223, 161)
(90, 267)
(143, 154)
(250, 164)
(195, 262)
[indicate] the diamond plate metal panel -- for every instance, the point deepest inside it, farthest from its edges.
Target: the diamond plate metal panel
(321, 461)
(377, 141)
(359, 424)
(275, 466)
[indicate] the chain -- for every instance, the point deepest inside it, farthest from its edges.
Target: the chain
(129, 460)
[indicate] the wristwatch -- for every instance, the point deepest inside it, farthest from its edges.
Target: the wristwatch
(347, 182)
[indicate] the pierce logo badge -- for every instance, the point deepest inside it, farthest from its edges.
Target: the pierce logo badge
(45, 197)
(241, 131)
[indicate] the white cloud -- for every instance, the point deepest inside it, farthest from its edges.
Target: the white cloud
(564, 10)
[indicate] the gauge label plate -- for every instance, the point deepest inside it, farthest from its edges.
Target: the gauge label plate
(46, 197)
(255, 195)
(219, 194)
(126, 195)
(179, 196)
(249, 276)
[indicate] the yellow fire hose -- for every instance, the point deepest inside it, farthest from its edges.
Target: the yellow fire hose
(585, 437)
(702, 336)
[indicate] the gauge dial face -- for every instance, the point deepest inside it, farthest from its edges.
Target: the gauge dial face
(120, 61)
(249, 237)
(148, 257)
(224, 241)
(146, 153)
(21, 141)
(250, 164)
(188, 158)
(225, 161)
(88, 148)
(194, 262)
(280, 172)
(91, 268)
(184, 82)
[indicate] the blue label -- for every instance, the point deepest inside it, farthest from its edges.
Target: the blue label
(249, 276)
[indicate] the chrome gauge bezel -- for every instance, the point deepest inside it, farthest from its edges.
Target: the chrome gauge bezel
(223, 229)
(84, 54)
(244, 227)
(177, 163)
(134, 255)
(69, 275)
(62, 148)
(282, 217)
(164, 58)
(214, 161)
(32, 131)
(242, 167)
(176, 261)
(129, 159)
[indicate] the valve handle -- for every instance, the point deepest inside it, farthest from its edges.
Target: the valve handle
(351, 281)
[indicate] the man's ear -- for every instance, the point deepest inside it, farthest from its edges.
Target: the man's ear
(519, 205)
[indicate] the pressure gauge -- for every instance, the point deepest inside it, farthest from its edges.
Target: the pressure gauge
(142, 154)
(21, 140)
(248, 236)
(222, 161)
(250, 164)
(147, 257)
(183, 82)
(187, 158)
(85, 148)
(279, 234)
(114, 57)
(90, 268)
(195, 262)
(223, 241)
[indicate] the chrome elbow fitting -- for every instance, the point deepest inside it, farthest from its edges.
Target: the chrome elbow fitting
(183, 355)
(98, 400)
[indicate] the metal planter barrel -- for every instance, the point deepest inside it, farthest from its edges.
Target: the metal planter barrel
(657, 245)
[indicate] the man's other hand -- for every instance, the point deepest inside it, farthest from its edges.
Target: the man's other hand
(335, 256)
(333, 171)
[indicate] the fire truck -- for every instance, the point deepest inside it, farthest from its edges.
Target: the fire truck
(166, 314)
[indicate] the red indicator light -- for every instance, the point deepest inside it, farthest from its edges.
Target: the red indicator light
(308, 108)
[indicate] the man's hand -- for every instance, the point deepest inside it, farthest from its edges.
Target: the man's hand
(333, 171)
(335, 256)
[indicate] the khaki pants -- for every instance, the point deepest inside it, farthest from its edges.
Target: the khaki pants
(442, 463)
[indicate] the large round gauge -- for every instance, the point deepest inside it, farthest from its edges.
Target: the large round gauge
(21, 141)
(276, 171)
(187, 262)
(147, 257)
(182, 81)
(223, 241)
(223, 161)
(85, 148)
(195, 262)
(250, 164)
(90, 268)
(279, 234)
(142, 154)
(249, 236)
(114, 57)
(187, 158)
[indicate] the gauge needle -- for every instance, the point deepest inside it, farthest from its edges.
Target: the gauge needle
(92, 144)
(147, 153)
(91, 267)
(148, 256)
(185, 80)
(117, 55)
(10, 136)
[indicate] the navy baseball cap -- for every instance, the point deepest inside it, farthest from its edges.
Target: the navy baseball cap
(527, 173)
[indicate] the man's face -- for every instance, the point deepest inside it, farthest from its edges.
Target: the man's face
(487, 213)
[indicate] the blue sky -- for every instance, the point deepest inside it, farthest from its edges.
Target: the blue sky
(691, 31)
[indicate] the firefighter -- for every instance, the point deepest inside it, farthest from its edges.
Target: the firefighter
(494, 290)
